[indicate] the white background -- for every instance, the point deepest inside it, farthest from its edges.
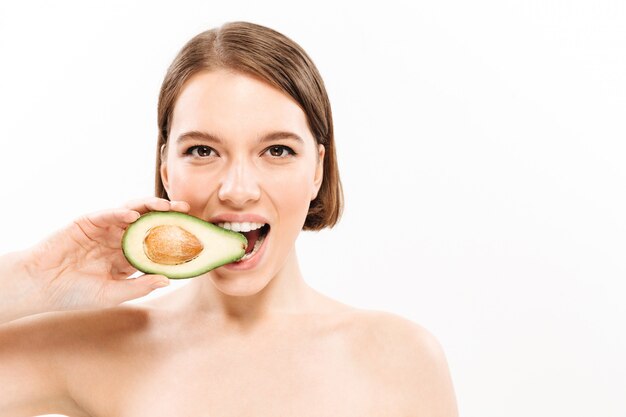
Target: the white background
(481, 146)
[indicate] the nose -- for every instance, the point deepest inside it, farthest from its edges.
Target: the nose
(239, 185)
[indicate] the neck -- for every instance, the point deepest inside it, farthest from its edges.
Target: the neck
(286, 292)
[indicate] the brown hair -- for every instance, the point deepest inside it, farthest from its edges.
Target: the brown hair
(276, 59)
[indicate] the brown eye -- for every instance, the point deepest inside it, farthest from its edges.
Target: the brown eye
(204, 151)
(199, 151)
(276, 151)
(280, 151)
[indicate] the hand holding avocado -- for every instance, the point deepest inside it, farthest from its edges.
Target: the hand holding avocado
(79, 267)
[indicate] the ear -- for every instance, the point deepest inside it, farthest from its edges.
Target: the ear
(319, 171)
(163, 169)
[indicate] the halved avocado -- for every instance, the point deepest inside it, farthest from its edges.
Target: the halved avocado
(178, 245)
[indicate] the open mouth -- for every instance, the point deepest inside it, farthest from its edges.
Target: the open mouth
(255, 239)
(255, 233)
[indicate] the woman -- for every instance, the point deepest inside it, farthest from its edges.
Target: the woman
(245, 135)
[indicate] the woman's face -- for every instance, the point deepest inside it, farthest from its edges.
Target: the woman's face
(240, 151)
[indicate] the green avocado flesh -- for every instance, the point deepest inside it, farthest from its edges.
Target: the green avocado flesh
(178, 245)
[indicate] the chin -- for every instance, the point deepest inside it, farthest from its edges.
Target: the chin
(237, 285)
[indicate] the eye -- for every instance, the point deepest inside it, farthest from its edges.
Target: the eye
(199, 151)
(280, 151)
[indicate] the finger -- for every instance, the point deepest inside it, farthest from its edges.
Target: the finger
(121, 269)
(119, 291)
(110, 239)
(104, 231)
(105, 227)
(144, 205)
(120, 217)
(181, 206)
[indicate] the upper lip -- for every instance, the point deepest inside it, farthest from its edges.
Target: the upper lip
(237, 218)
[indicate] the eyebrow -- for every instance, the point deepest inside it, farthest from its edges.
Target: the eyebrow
(196, 134)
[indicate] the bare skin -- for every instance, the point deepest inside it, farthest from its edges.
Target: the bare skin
(159, 359)
(302, 354)
(79, 267)
(240, 340)
(287, 350)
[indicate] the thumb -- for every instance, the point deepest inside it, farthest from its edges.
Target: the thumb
(119, 291)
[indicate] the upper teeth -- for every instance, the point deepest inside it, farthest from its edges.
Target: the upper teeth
(241, 227)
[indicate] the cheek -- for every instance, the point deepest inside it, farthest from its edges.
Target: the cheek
(291, 193)
(188, 185)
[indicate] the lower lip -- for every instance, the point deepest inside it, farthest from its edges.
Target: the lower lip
(249, 263)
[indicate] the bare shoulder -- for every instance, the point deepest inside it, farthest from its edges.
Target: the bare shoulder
(56, 354)
(390, 330)
(78, 334)
(407, 357)
(59, 328)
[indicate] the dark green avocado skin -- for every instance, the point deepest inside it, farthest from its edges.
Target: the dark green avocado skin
(138, 229)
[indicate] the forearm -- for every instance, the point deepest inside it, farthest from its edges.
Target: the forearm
(19, 294)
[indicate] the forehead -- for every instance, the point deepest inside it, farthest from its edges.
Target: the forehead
(233, 104)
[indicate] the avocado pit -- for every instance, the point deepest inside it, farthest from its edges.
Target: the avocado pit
(171, 245)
